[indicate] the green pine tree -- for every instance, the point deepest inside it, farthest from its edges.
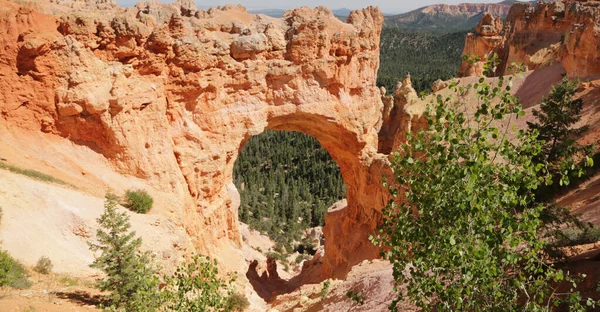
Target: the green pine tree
(563, 158)
(130, 277)
(557, 115)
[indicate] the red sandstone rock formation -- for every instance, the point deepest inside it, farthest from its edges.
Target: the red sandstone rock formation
(480, 45)
(170, 94)
(564, 32)
(401, 112)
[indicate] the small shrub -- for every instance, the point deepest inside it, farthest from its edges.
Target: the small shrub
(325, 289)
(138, 200)
(69, 281)
(356, 296)
(237, 302)
(302, 257)
(12, 272)
(21, 282)
(196, 286)
(111, 196)
(5, 268)
(43, 266)
(578, 236)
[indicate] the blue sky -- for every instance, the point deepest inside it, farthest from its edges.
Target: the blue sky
(392, 6)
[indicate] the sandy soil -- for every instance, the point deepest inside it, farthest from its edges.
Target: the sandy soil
(372, 279)
(51, 293)
(42, 219)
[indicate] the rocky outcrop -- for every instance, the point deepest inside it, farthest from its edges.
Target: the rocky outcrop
(401, 112)
(170, 94)
(564, 32)
(439, 85)
(481, 45)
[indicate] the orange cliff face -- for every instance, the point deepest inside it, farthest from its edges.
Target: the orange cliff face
(564, 32)
(170, 94)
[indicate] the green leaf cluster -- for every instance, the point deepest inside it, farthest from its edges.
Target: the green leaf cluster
(196, 286)
(325, 289)
(12, 272)
(462, 229)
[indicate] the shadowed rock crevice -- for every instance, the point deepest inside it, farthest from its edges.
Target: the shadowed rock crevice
(268, 285)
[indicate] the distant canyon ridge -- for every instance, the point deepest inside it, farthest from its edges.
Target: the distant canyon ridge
(437, 18)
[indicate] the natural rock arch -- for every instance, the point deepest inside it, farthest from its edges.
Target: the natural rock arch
(346, 230)
(169, 93)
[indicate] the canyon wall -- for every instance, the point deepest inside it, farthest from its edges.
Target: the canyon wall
(170, 94)
(565, 32)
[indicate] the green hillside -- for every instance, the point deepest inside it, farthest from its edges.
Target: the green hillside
(442, 23)
(427, 57)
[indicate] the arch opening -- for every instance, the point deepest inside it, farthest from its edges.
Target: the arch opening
(287, 181)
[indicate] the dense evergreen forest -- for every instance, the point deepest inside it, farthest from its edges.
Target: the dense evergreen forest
(287, 180)
(427, 57)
